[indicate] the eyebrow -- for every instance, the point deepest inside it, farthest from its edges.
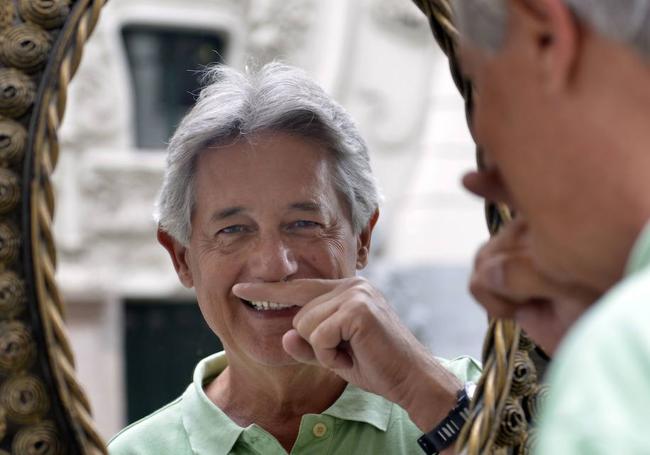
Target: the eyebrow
(227, 213)
(307, 206)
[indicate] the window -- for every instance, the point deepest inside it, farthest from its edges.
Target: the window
(164, 63)
(164, 340)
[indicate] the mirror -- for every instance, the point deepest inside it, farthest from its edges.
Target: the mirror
(124, 308)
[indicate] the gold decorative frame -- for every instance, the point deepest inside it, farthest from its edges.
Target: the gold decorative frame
(43, 409)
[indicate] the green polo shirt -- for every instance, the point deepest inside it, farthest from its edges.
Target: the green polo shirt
(599, 401)
(357, 423)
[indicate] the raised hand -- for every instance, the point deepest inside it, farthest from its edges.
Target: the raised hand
(347, 326)
(509, 284)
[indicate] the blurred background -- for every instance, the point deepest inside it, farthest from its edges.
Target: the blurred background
(137, 333)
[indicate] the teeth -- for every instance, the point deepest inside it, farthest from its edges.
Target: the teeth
(265, 305)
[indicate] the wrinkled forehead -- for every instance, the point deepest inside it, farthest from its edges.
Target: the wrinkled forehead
(256, 165)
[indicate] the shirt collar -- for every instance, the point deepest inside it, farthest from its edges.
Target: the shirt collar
(361, 406)
(210, 430)
(640, 256)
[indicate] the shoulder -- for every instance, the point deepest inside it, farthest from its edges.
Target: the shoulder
(612, 340)
(615, 328)
(159, 433)
(603, 366)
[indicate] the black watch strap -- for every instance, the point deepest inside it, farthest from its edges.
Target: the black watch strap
(446, 433)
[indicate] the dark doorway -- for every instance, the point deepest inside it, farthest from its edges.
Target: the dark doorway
(163, 342)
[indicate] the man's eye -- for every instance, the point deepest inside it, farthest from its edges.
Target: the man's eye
(304, 224)
(236, 229)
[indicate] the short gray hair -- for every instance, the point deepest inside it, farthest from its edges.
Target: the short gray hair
(484, 22)
(278, 98)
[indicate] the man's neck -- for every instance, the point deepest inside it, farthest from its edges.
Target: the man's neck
(274, 398)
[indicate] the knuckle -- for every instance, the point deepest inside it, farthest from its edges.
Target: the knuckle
(300, 328)
(476, 286)
(324, 357)
(482, 295)
(364, 291)
(356, 281)
(363, 313)
(319, 340)
(315, 339)
(303, 326)
(494, 305)
(361, 287)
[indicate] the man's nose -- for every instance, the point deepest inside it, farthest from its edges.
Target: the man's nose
(272, 260)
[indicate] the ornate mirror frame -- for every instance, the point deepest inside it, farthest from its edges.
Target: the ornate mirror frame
(42, 406)
(43, 409)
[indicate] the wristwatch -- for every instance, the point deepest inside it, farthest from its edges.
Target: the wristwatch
(447, 431)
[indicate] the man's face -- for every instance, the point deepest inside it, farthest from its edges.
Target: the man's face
(533, 136)
(266, 211)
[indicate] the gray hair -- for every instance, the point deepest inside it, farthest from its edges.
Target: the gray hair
(277, 97)
(484, 22)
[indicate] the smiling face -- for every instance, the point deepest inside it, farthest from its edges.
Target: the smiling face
(265, 211)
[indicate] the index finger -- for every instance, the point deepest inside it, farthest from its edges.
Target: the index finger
(295, 292)
(511, 238)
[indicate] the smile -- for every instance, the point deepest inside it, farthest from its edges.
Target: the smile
(264, 305)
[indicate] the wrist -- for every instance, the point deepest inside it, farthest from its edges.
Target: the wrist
(444, 435)
(432, 394)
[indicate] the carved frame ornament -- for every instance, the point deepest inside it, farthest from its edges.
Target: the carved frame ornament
(43, 409)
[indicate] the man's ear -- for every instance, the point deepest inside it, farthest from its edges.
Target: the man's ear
(554, 34)
(178, 253)
(363, 241)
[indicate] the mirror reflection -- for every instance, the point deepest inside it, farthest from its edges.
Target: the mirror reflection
(137, 332)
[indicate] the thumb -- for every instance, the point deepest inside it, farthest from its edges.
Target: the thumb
(298, 348)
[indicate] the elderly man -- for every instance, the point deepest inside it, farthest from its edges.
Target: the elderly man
(563, 91)
(562, 98)
(268, 181)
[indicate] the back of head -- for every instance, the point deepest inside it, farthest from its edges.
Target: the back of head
(484, 22)
(234, 106)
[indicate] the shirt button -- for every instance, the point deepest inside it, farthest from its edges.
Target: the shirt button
(319, 430)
